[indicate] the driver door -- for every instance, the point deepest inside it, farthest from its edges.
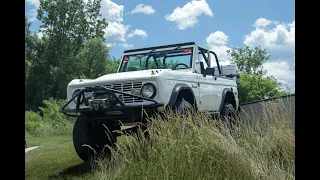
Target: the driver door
(207, 86)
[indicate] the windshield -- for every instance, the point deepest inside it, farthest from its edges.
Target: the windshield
(173, 59)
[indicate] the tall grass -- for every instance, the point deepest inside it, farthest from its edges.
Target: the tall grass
(203, 148)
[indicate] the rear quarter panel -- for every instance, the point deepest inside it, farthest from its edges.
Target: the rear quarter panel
(220, 84)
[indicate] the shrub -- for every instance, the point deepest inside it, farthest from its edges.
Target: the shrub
(53, 122)
(32, 121)
(52, 115)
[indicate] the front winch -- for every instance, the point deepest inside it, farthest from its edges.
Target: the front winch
(96, 104)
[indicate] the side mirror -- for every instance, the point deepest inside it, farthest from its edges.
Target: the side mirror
(210, 71)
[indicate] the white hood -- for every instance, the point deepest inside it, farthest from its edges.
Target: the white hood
(126, 75)
(112, 78)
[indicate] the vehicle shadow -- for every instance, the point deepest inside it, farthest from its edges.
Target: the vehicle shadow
(74, 171)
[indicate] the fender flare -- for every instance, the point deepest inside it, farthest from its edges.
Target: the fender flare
(224, 94)
(175, 92)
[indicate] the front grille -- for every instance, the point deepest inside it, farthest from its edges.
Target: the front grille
(126, 88)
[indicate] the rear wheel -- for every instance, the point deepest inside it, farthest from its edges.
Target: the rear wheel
(229, 117)
(227, 111)
(90, 138)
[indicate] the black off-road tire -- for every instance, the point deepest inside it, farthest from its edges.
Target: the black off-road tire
(227, 111)
(182, 106)
(229, 115)
(93, 135)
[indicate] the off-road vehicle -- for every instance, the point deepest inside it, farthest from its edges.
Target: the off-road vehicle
(177, 76)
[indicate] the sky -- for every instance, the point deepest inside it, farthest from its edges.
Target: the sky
(216, 25)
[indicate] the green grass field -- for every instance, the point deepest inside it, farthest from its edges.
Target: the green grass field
(54, 159)
(204, 149)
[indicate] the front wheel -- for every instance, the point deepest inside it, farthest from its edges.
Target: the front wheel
(182, 107)
(90, 138)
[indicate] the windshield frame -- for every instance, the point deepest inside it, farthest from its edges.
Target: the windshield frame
(160, 50)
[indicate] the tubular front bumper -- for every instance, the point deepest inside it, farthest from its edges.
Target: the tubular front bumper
(120, 107)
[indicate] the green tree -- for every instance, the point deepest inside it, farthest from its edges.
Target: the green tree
(51, 62)
(29, 46)
(112, 65)
(249, 60)
(38, 80)
(35, 68)
(68, 24)
(92, 59)
(27, 26)
(27, 62)
(256, 87)
(254, 83)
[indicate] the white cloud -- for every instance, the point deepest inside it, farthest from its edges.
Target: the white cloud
(32, 14)
(217, 42)
(141, 8)
(116, 32)
(35, 3)
(40, 35)
(109, 45)
(111, 11)
(187, 16)
(138, 32)
(217, 38)
(262, 22)
(126, 45)
(278, 38)
(282, 72)
(221, 52)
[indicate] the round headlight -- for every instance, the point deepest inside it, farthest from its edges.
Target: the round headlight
(148, 90)
(76, 94)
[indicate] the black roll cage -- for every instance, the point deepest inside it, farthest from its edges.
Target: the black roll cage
(206, 59)
(152, 54)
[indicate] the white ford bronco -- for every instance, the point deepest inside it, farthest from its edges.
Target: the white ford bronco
(178, 76)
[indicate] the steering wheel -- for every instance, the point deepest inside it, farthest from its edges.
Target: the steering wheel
(179, 65)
